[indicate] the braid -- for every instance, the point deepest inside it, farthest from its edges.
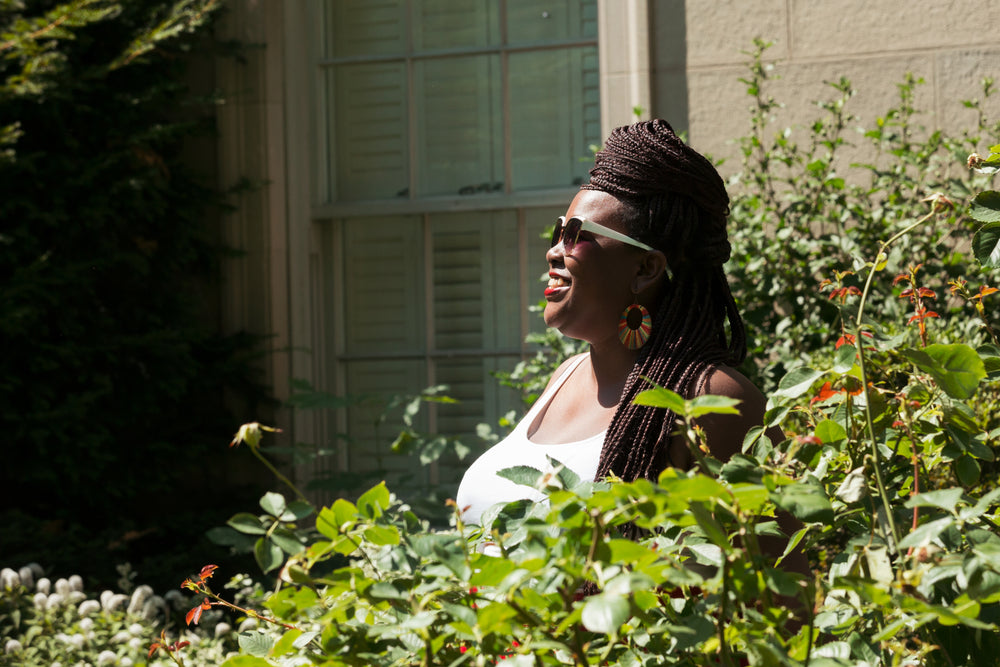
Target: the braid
(673, 199)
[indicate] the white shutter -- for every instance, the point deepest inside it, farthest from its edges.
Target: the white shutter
(549, 142)
(460, 126)
(365, 27)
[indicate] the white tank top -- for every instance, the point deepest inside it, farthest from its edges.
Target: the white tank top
(481, 488)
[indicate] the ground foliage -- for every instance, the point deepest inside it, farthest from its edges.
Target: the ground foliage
(111, 376)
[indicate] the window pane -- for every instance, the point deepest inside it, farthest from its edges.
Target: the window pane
(383, 286)
(364, 27)
(460, 138)
(444, 24)
(369, 132)
(555, 116)
(533, 21)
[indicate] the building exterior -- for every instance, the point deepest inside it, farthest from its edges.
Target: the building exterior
(408, 155)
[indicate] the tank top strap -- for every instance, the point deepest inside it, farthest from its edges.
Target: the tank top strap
(546, 396)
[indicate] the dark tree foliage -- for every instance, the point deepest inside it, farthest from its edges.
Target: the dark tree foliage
(111, 372)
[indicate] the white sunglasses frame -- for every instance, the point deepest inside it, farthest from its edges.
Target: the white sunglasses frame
(590, 226)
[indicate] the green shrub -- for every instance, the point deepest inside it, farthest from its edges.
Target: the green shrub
(112, 373)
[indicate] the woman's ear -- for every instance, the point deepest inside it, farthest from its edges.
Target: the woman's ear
(652, 268)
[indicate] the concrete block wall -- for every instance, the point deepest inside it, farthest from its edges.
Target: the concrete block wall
(701, 45)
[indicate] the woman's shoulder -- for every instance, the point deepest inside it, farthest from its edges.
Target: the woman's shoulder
(725, 432)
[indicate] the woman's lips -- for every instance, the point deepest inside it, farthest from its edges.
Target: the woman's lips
(556, 284)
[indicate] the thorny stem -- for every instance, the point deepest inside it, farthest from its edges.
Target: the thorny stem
(859, 344)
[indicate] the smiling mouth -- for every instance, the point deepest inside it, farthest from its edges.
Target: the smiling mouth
(556, 281)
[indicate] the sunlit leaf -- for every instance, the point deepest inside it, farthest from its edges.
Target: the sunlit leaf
(797, 382)
(986, 245)
(255, 643)
(661, 398)
(247, 523)
(805, 502)
(985, 206)
(522, 475)
(956, 368)
(604, 613)
(273, 503)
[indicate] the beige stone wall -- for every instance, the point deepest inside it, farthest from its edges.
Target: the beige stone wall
(697, 52)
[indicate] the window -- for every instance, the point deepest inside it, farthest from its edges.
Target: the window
(455, 134)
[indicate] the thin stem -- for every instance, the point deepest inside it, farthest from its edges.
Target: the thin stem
(277, 473)
(859, 344)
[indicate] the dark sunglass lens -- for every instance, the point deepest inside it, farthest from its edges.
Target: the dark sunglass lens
(556, 233)
(571, 232)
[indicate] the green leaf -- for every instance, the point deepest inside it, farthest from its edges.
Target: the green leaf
(661, 398)
(268, 555)
(805, 502)
(273, 503)
(286, 644)
(711, 404)
(986, 245)
(256, 644)
(945, 499)
(985, 207)
(382, 535)
(247, 523)
(967, 470)
(604, 613)
(287, 541)
(956, 368)
(797, 382)
(522, 475)
(830, 431)
(925, 533)
(710, 525)
(246, 661)
(373, 502)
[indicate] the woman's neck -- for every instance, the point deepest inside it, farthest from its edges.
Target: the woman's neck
(610, 366)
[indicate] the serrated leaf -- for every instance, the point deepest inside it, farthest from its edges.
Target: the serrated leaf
(604, 613)
(986, 245)
(268, 554)
(957, 368)
(273, 503)
(247, 523)
(797, 382)
(661, 398)
(985, 206)
(256, 644)
(522, 475)
(373, 502)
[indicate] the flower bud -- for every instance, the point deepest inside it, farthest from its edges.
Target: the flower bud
(55, 601)
(76, 583)
(12, 646)
(9, 579)
(43, 585)
(139, 597)
(62, 587)
(27, 577)
(88, 607)
(106, 658)
(41, 601)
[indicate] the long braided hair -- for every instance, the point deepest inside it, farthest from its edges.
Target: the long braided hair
(674, 200)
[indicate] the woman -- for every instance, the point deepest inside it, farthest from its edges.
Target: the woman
(636, 270)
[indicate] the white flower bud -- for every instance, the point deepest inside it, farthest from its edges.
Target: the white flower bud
(55, 601)
(88, 607)
(76, 597)
(12, 646)
(115, 602)
(86, 624)
(222, 629)
(139, 597)
(9, 579)
(126, 662)
(62, 587)
(77, 641)
(121, 637)
(43, 585)
(62, 637)
(27, 577)
(154, 605)
(104, 597)
(136, 629)
(248, 624)
(41, 601)
(135, 643)
(76, 583)
(106, 658)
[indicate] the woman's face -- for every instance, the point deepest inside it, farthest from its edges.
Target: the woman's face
(590, 285)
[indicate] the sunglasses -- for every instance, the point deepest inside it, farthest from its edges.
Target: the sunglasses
(569, 232)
